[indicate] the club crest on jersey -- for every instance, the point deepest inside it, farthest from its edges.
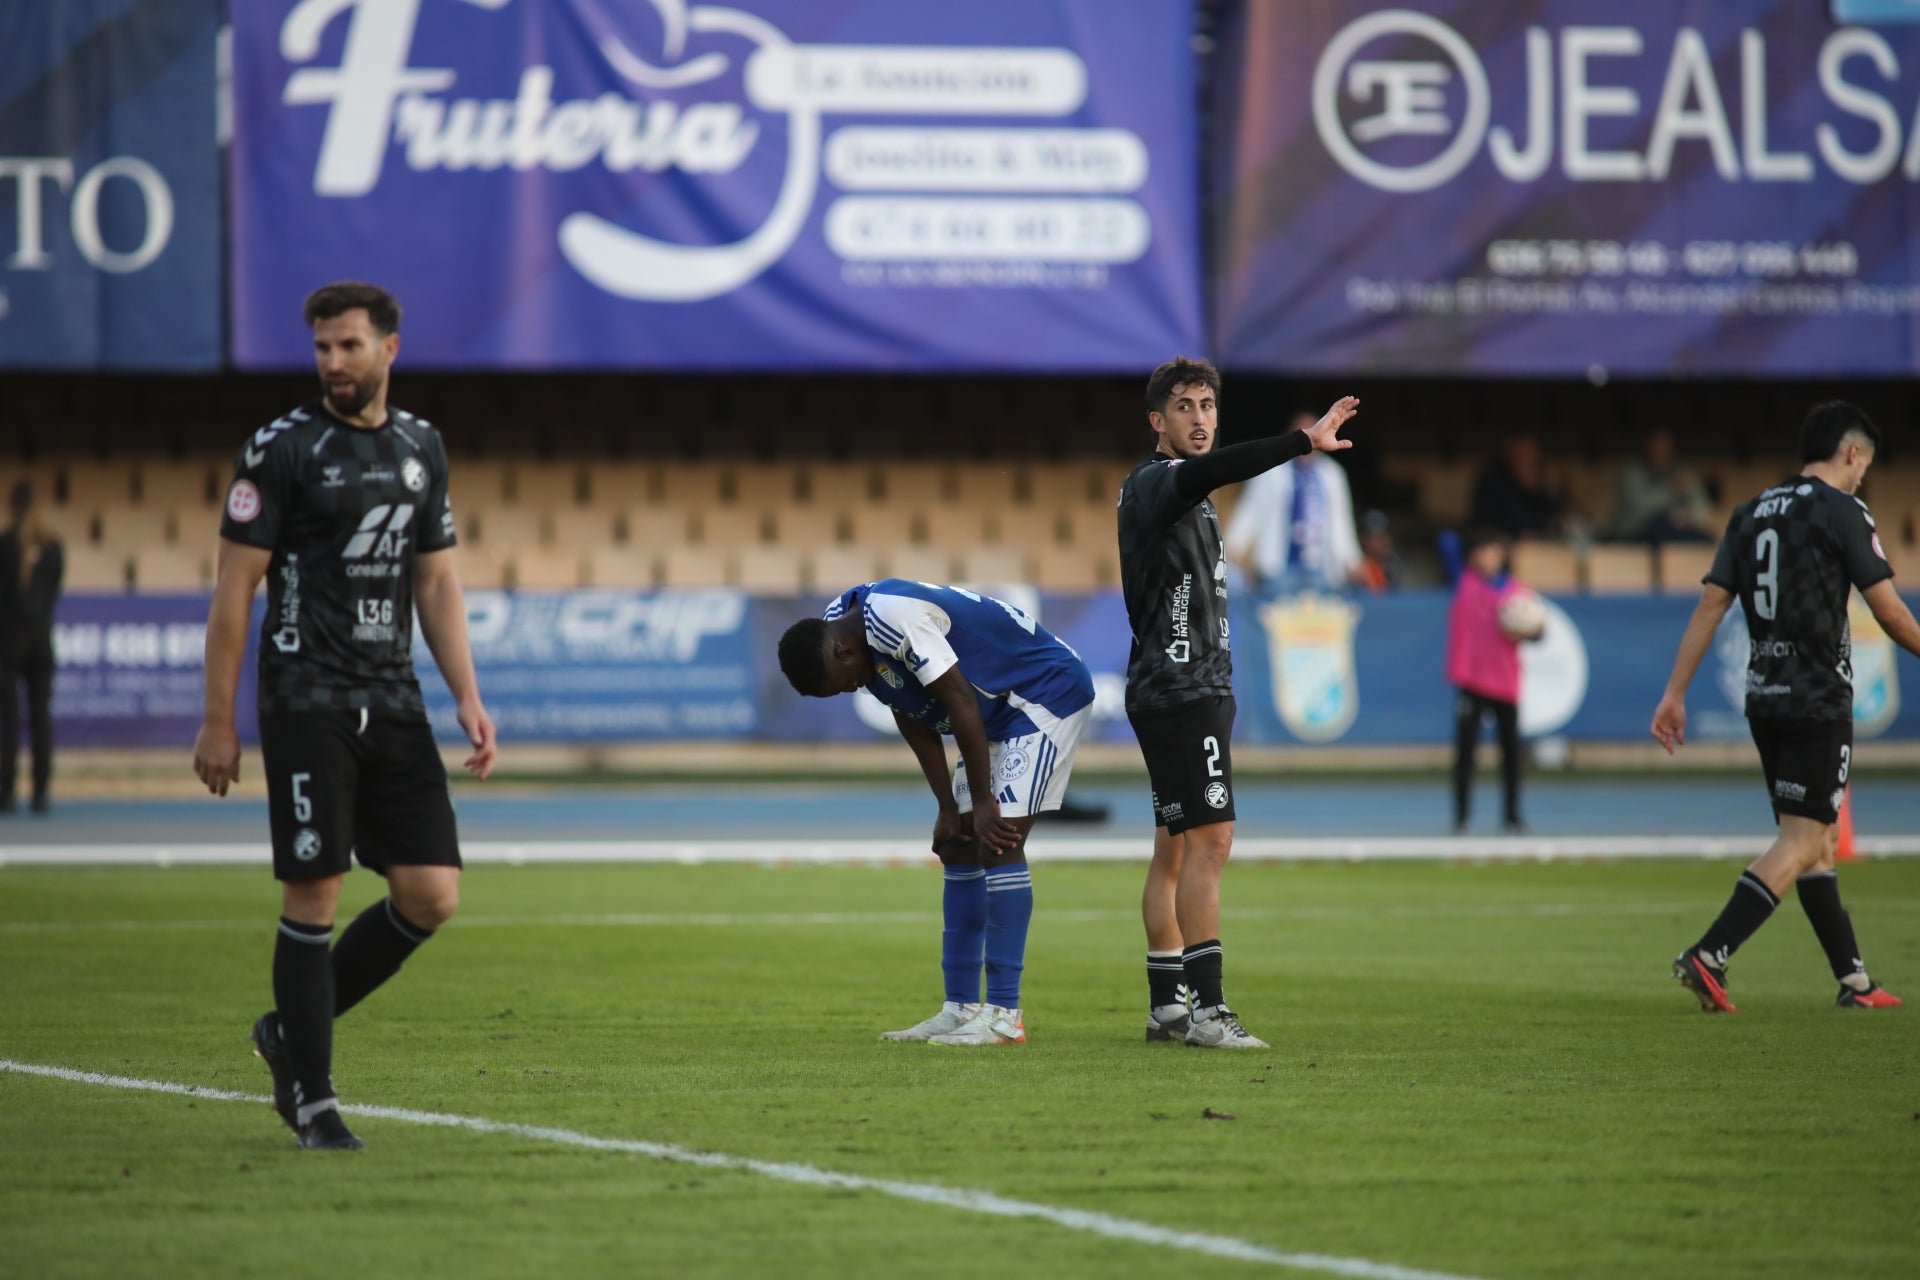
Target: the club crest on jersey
(243, 501)
(1876, 680)
(1316, 690)
(306, 844)
(1013, 763)
(888, 674)
(1217, 794)
(413, 474)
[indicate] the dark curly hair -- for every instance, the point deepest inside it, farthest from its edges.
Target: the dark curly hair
(1179, 372)
(803, 657)
(336, 299)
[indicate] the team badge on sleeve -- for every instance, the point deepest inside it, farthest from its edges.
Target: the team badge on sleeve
(413, 474)
(243, 501)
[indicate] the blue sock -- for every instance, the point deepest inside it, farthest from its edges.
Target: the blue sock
(963, 905)
(1009, 908)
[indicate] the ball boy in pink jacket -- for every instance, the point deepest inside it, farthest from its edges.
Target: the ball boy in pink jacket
(1491, 614)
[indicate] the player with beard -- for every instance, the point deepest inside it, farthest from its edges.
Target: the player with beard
(1173, 573)
(342, 506)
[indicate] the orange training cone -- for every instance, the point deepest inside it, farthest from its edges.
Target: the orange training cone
(1845, 852)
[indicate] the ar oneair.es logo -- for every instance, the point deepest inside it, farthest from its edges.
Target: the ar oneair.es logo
(722, 74)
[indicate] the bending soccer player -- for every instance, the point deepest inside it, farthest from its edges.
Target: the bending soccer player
(344, 500)
(1173, 573)
(1015, 699)
(1792, 556)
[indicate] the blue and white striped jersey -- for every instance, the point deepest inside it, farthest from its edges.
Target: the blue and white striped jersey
(919, 631)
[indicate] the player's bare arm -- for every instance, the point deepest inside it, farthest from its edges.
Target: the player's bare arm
(1891, 612)
(931, 752)
(963, 713)
(443, 620)
(1670, 717)
(1325, 434)
(216, 748)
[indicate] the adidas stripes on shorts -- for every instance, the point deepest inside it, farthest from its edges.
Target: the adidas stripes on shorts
(1030, 773)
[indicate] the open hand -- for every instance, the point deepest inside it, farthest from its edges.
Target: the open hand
(1325, 434)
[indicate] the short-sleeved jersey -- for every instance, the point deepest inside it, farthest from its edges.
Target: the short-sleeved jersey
(1173, 573)
(344, 510)
(1792, 555)
(919, 631)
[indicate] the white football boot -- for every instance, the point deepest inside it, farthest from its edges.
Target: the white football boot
(992, 1025)
(1218, 1028)
(950, 1018)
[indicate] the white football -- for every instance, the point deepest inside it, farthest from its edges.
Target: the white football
(1523, 614)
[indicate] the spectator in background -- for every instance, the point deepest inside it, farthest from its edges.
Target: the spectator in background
(1511, 494)
(1484, 633)
(1293, 527)
(1380, 563)
(32, 563)
(1656, 500)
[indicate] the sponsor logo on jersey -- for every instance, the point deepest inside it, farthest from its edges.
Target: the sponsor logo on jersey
(306, 844)
(372, 540)
(413, 474)
(1217, 794)
(333, 477)
(1316, 690)
(243, 501)
(1789, 790)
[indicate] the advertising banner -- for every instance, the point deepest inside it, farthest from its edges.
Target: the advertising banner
(1577, 187)
(596, 666)
(770, 184)
(109, 185)
(605, 666)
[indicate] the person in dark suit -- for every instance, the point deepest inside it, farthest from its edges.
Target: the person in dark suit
(32, 563)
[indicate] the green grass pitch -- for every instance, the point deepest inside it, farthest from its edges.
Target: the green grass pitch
(1478, 1070)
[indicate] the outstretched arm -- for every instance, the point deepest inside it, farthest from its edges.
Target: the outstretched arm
(1670, 717)
(443, 620)
(1200, 476)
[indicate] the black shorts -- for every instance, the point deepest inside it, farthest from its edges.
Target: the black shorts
(1806, 763)
(1189, 752)
(341, 783)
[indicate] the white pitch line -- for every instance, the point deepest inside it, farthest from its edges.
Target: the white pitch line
(973, 1201)
(911, 852)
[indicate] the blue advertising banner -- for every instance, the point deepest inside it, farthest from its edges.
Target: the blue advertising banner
(1522, 187)
(109, 185)
(127, 671)
(771, 184)
(602, 666)
(595, 666)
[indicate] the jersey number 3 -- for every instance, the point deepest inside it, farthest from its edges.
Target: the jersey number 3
(1766, 578)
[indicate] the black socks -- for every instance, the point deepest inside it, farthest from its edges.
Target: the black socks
(372, 950)
(303, 995)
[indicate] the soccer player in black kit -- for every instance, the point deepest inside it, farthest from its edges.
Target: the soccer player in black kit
(1173, 573)
(342, 507)
(1792, 556)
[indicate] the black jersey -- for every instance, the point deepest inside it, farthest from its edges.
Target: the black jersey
(344, 510)
(1792, 555)
(1173, 573)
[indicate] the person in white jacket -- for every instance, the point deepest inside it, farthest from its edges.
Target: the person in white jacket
(1293, 527)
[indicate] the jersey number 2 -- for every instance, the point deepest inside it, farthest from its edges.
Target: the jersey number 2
(1766, 581)
(1212, 744)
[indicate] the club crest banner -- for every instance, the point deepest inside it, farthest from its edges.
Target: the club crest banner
(771, 184)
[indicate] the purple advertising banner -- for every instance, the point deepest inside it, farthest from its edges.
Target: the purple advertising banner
(109, 185)
(770, 184)
(1575, 187)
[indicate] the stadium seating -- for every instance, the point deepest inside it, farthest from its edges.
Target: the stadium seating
(96, 569)
(1617, 568)
(183, 568)
(1681, 565)
(546, 568)
(1546, 566)
(624, 568)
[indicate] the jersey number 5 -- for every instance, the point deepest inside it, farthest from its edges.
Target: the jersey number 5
(1766, 579)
